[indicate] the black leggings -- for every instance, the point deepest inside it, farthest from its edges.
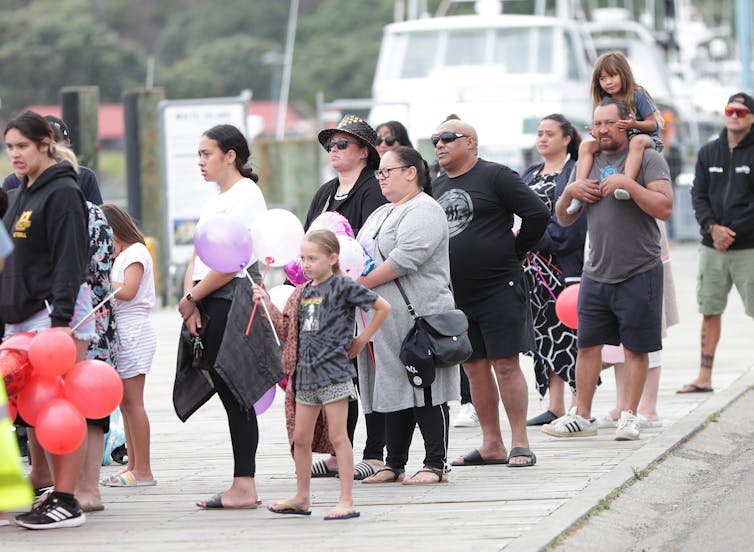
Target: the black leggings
(433, 423)
(244, 432)
(465, 387)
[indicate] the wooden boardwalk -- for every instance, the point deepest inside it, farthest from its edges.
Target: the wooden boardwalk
(480, 509)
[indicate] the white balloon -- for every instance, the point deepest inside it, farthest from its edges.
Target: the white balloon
(279, 295)
(352, 259)
(277, 235)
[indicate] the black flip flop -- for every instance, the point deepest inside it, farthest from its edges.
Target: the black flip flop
(517, 452)
(474, 458)
(694, 388)
(545, 418)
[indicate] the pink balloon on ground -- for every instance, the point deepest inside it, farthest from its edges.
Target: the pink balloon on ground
(52, 353)
(60, 427)
(265, 401)
(223, 244)
(333, 221)
(351, 258)
(94, 387)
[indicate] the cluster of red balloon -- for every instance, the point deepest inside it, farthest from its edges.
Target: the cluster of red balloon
(565, 306)
(54, 393)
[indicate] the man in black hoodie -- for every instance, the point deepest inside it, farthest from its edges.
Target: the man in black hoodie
(723, 199)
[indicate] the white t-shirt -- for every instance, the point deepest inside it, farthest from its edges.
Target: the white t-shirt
(143, 301)
(244, 202)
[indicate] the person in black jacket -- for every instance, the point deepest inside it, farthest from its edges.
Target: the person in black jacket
(723, 199)
(552, 264)
(354, 193)
(87, 179)
(47, 221)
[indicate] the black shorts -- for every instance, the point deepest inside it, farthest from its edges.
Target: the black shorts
(500, 325)
(628, 313)
(104, 423)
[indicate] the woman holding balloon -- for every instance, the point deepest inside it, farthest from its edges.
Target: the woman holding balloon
(408, 239)
(354, 193)
(217, 302)
(557, 257)
(42, 279)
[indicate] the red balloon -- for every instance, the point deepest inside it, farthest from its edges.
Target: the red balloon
(19, 341)
(565, 306)
(36, 395)
(12, 410)
(60, 427)
(16, 370)
(52, 353)
(94, 387)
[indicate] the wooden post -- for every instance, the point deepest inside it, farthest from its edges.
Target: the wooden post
(146, 201)
(80, 107)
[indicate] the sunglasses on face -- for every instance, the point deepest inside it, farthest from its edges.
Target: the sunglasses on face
(739, 112)
(340, 144)
(389, 140)
(446, 137)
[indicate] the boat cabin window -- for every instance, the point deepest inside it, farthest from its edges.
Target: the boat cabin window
(420, 54)
(524, 50)
(465, 48)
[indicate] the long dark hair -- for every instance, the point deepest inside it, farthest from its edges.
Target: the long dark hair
(568, 130)
(411, 158)
(36, 128)
(398, 131)
(124, 227)
(230, 138)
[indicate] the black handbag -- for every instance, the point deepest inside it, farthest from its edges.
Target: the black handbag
(434, 341)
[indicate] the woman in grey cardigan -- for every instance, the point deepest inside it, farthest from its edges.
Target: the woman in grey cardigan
(408, 239)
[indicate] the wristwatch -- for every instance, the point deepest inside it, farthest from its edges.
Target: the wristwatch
(189, 297)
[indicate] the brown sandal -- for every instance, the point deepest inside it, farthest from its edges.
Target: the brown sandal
(397, 476)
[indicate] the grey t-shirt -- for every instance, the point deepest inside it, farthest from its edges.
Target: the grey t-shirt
(623, 239)
(325, 331)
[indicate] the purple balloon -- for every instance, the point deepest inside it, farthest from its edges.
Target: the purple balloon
(295, 272)
(223, 244)
(265, 401)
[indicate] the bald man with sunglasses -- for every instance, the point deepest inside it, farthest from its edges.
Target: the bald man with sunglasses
(480, 198)
(723, 199)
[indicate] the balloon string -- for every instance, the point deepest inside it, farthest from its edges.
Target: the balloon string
(370, 345)
(95, 309)
(268, 261)
(534, 263)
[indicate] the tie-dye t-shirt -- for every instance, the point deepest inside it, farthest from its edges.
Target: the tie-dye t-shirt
(326, 329)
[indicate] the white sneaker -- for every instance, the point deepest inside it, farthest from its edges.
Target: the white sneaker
(466, 416)
(628, 427)
(607, 422)
(571, 425)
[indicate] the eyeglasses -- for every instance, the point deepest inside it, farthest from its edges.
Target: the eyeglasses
(340, 144)
(446, 137)
(739, 112)
(385, 172)
(389, 140)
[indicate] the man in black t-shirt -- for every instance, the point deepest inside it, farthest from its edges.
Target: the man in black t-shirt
(480, 199)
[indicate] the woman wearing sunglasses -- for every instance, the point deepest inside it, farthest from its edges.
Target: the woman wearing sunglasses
(390, 135)
(354, 193)
(558, 255)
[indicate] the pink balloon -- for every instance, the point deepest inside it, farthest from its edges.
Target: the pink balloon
(295, 272)
(60, 427)
(265, 401)
(333, 221)
(277, 236)
(351, 258)
(94, 387)
(19, 341)
(279, 295)
(223, 244)
(565, 306)
(52, 353)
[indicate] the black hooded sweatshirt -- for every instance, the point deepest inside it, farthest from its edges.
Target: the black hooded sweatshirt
(48, 225)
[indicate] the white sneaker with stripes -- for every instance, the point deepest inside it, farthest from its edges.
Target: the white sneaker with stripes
(572, 425)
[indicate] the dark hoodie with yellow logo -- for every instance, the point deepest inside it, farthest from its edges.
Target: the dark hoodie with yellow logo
(48, 225)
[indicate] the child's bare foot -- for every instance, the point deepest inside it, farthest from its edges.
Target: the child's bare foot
(295, 505)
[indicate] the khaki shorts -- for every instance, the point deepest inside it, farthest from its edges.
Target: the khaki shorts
(718, 272)
(327, 394)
